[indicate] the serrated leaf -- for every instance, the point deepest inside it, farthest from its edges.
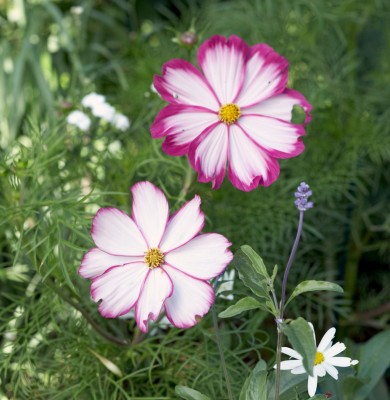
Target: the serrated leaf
(312, 286)
(245, 304)
(189, 394)
(301, 336)
(255, 386)
(251, 274)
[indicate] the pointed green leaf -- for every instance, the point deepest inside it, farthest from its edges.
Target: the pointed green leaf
(189, 394)
(274, 273)
(256, 260)
(313, 286)
(301, 337)
(245, 304)
(374, 359)
(251, 271)
(255, 386)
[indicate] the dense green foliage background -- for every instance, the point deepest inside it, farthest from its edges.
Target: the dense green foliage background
(54, 343)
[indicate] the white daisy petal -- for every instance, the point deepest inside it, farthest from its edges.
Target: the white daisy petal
(334, 350)
(291, 353)
(290, 364)
(327, 338)
(339, 361)
(319, 370)
(312, 385)
(331, 370)
(298, 370)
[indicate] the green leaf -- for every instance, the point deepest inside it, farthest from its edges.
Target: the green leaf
(274, 273)
(245, 304)
(313, 286)
(252, 271)
(301, 337)
(189, 394)
(255, 386)
(374, 359)
(290, 385)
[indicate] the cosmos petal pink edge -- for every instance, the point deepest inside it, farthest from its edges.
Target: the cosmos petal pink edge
(236, 105)
(151, 261)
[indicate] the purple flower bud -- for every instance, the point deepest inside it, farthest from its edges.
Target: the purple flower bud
(302, 196)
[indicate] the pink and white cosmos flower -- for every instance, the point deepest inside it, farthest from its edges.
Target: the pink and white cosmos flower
(152, 260)
(238, 112)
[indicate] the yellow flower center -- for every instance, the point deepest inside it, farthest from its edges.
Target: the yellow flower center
(229, 113)
(319, 358)
(154, 258)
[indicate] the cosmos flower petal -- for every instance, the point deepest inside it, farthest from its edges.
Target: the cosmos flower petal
(96, 262)
(334, 350)
(223, 63)
(312, 385)
(181, 125)
(331, 370)
(118, 288)
(291, 352)
(183, 225)
(326, 339)
(115, 232)
(249, 165)
(279, 138)
(191, 299)
(298, 370)
(339, 361)
(290, 364)
(208, 154)
(150, 211)
(281, 106)
(266, 75)
(156, 289)
(203, 257)
(182, 83)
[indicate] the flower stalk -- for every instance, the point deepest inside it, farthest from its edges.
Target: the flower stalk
(302, 195)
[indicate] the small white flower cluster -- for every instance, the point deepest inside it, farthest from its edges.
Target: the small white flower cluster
(100, 109)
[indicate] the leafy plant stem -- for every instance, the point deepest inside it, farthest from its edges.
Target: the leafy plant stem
(282, 302)
(88, 318)
(220, 349)
(186, 185)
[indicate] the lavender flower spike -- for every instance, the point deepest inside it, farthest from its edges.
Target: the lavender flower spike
(302, 196)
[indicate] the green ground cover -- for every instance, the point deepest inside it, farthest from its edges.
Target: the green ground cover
(54, 177)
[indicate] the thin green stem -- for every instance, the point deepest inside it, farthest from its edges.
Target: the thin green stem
(279, 320)
(188, 178)
(220, 349)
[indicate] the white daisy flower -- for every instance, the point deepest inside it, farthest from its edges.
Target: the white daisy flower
(324, 362)
(79, 119)
(92, 99)
(120, 122)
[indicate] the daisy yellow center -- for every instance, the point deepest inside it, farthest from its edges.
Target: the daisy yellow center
(154, 258)
(319, 358)
(229, 113)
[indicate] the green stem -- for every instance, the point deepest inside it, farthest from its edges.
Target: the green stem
(279, 320)
(220, 349)
(88, 318)
(188, 178)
